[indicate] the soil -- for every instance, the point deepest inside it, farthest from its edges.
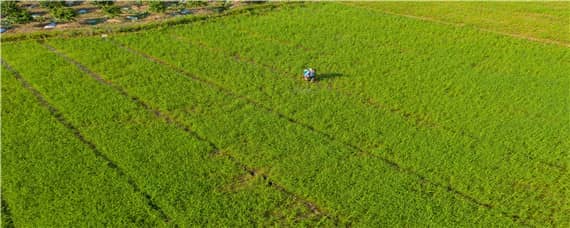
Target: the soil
(95, 17)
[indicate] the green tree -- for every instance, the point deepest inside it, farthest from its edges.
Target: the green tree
(157, 6)
(62, 13)
(103, 3)
(51, 4)
(111, 10)
(13, 13)
(199, 3)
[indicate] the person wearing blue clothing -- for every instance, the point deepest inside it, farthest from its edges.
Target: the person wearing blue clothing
(306, 74)
(309, 74)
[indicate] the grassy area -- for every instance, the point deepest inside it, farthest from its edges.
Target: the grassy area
(118, 126)
(545, 20)
(413, 122)
(51, 178)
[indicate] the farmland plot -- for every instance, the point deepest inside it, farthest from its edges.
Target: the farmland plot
(412, 123)
(194, 182)
(52, 171)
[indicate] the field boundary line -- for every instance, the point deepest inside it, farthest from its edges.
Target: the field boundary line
(170, 120)
(355, 148)
(5, 211)
(110, 163)
(463, 25)
(407, 116)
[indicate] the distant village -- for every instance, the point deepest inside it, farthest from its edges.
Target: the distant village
(25, 16)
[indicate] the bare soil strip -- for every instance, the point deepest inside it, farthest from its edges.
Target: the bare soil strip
(331, 138)
(170, 120)
(58, 115)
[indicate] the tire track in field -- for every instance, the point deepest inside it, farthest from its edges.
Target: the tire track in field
(6, 213)
(409, 116)
(461, 25)
(110, 163)
(358, 150)
(317, 210)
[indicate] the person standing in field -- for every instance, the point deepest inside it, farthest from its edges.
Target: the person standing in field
(309, 74)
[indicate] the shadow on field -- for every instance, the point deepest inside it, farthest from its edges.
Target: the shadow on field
(326, 76)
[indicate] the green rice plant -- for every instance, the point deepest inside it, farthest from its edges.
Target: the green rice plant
(302, 160)
(339, 124)
(177, 170)
(473, 82)
(412, 123)
(501, 17)
(51, 178)
(358, 72)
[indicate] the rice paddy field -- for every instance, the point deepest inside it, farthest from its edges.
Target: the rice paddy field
(425, 114)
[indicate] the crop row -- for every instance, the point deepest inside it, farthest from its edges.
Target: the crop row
(517, 20)
(176, 169)
(238, 46)
(527, 135)
(507, 179)
(551, 161)
(166, 117)
(300, 159)
(344, 106)
(490, 176)
(489, 99)
(43, 161)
